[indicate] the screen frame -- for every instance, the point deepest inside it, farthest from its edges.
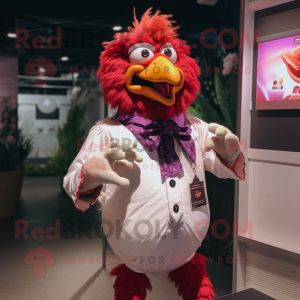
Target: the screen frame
(276, 104)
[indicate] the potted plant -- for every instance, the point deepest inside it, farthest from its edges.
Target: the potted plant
(67, 136)
(25, 144)
(9, 172)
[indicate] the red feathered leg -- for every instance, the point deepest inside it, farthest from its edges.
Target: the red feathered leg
(192, 280)
(130, 285)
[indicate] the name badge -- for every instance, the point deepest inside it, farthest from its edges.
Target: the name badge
(197, 193)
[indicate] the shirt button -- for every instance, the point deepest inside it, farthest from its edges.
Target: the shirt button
(172, 183)
(176, 208)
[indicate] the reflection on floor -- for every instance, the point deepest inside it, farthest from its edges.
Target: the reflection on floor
(76, 272)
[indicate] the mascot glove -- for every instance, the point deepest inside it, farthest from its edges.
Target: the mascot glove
(107, 166)
(224, 142)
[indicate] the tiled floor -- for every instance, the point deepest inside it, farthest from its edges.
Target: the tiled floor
(77, 272)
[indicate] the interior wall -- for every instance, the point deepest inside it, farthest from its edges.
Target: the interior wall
(274, 206)
(272, 273)
(269, 197)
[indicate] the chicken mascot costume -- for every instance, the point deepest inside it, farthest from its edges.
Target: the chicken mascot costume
(146, 164)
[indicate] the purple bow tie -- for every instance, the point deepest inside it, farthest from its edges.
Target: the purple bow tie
(158, 134)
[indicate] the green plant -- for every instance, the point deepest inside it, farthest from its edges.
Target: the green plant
(225, 91)
(25, 144)
(8, 134)
(226, 97)
(67, 136)
(48, 170)
(217, 101)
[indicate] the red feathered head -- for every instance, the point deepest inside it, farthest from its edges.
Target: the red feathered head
(147, 70)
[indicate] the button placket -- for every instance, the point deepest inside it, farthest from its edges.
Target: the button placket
(174, 199)
(172, 183)
(176, 208)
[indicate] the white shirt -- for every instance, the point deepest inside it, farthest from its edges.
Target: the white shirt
(139, 221)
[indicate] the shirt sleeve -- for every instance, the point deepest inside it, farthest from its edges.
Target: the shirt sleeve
(96, 142)
(213, 163)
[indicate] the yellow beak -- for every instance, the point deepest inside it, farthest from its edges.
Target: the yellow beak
(158, 71)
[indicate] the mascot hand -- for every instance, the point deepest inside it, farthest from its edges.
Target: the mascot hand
(225, 143)
(106, 167)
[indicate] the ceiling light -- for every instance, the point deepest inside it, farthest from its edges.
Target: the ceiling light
(11, 35)
(64, 58)
(117, 28)
(47, 106)
(207, 2)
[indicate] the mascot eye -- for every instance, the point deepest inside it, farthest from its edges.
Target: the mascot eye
(140, 54)
(170, 53)
(145, 53)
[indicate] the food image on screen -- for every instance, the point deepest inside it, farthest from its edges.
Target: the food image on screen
(278, 73)
(296, 90)
(292, 62)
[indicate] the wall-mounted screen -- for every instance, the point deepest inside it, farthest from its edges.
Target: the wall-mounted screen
(278, 74)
